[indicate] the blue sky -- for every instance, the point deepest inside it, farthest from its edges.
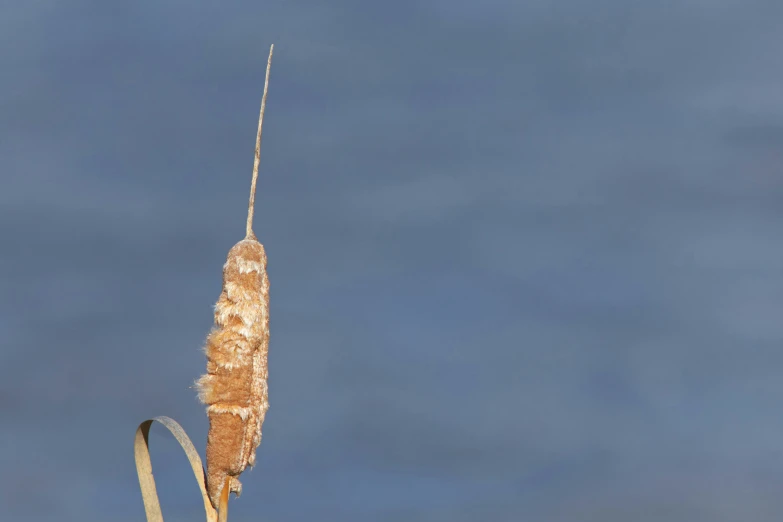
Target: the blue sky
(526, 258)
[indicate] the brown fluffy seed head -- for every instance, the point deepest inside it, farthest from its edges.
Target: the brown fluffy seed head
(235, 385)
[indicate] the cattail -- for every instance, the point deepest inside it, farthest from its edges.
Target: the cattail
(235, 385)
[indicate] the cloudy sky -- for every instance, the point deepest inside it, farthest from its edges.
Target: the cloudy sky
(526, 257)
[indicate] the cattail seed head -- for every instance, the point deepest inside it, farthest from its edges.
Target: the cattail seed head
(235, 385)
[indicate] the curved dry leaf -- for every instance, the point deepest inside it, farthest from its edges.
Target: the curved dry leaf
(149, 492)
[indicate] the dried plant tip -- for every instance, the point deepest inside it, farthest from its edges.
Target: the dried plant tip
(257, 158)
(235, 385)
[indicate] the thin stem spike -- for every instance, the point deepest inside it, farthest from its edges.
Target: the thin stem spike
(251, 205)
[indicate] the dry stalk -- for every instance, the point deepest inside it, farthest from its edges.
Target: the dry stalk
(235, 385)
